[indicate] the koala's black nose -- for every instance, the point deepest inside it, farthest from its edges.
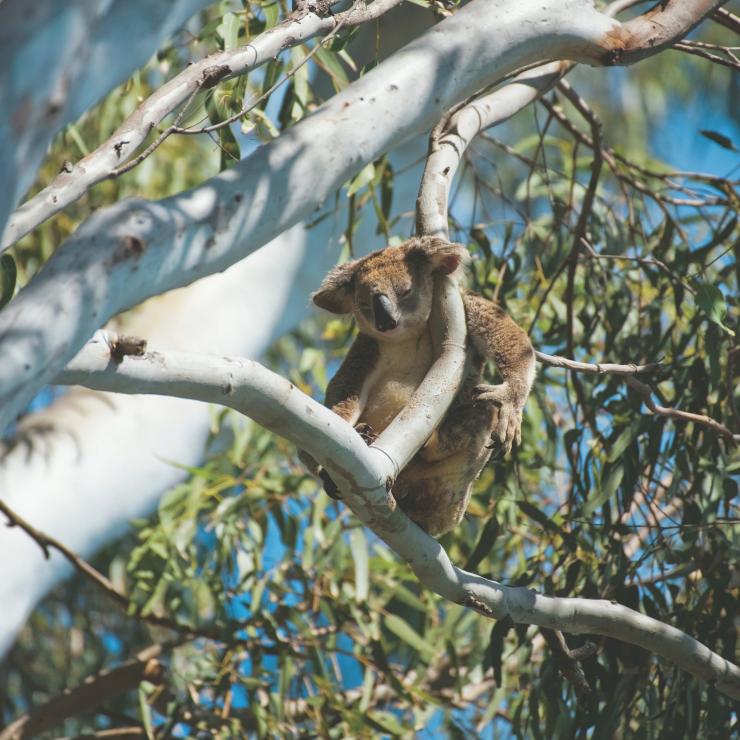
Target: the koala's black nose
(384, 313)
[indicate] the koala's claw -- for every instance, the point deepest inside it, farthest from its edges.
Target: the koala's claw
(329, 485)
(507, 423)
(366, 432)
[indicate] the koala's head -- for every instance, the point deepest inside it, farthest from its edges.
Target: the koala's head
(390, 291)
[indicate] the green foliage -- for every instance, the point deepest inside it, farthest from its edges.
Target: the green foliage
(8, 275)
(298, 622)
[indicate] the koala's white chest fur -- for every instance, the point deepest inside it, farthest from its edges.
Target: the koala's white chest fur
(398, 372)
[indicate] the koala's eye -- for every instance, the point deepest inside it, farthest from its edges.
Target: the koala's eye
(405, 292)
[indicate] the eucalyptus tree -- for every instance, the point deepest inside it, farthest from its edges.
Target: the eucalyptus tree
(261, 143)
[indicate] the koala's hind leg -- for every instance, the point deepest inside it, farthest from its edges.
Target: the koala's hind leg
(495, 336)
(466, 427)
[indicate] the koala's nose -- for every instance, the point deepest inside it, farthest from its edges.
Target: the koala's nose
(384, 313)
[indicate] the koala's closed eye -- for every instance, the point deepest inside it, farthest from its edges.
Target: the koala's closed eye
(405, 292)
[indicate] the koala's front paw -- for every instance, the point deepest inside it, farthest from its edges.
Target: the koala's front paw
(507, 426)
(366, 432)
(329, 485)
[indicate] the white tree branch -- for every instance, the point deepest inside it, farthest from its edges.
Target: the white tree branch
(453, 135)
(364, 475)
(72, 183)
(59, 58)
(57, 469)
(136, 249)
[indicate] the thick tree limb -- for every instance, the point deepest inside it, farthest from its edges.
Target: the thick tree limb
(451, 137)
(364, 475)
(136, 249)
(58, 59)
(110, 158)
(57, 470)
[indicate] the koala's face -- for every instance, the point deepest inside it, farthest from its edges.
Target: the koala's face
(392, 294)
(390, 291)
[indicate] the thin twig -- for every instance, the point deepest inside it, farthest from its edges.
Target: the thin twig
(89, 695)
(647, 396)
(580, 234)
(595, 368)
(254, 103)
(690, 48)
(727, 19)
(612, 157)
(569, 661)
(627, 372)
(161, 138)
(46, 542)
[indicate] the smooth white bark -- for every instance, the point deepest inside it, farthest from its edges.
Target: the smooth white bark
(59, 58)
(84, 467)
(136, 249)
(77, 179)
(86, 435)
(363, 475)
(452, 139)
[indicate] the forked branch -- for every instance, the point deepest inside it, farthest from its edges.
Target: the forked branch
(364, 475)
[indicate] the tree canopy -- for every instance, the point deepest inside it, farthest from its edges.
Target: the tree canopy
(602, 215)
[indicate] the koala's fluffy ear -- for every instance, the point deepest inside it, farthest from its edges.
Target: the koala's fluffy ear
(336, 291)
(444, 257)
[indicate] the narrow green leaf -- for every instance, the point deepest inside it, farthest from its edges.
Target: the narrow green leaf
(408, 635)
(8, 277)
(623, 440)
(329, 62)
(485, 543)
(710, 300)
(724, 141)
(362, 178)
(229, 31)
(608, 489)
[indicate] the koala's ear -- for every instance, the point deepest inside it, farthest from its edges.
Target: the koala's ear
(336, 291)
(442, 256)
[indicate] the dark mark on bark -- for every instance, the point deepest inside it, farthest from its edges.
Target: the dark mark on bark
(130, 247)
(119, 146)
(213, 75)
(474, 603)
(123, 345)
(390, 500)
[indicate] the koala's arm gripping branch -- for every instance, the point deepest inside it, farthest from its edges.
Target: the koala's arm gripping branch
(345, 393)
(496, 336)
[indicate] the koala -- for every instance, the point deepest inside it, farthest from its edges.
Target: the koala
(389, 293)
